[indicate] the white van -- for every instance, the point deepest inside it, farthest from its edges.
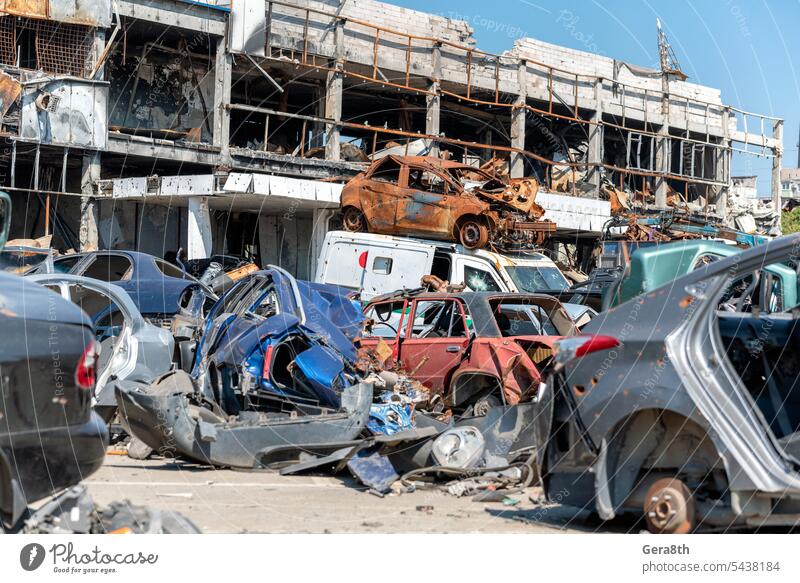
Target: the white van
(379, 264)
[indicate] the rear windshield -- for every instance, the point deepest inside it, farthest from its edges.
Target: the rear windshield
(536, 279)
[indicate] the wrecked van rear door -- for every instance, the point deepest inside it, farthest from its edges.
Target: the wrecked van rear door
(374, 263)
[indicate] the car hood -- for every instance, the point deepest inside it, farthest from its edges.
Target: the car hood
(330, 313)
(22, 298)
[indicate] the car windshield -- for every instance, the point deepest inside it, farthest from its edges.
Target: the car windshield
(536, 279)
(20, 260)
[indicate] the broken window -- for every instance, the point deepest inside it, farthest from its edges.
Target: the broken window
(389, 171)
(419, 179)
(439, 319)
(109, 268)
(54, 47)
(65, 264)
(387, 320)
(169, 270)
(479, 279)
(524, 320)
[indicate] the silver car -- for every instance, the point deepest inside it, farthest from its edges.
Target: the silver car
(131, 350)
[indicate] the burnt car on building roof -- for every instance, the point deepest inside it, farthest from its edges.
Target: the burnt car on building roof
(440, 199)
(475, 349)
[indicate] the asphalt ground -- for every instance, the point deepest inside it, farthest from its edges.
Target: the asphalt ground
(229, 501)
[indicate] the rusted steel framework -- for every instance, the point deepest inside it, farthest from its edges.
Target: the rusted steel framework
(63, 48)
(559, 107)
(60, 48)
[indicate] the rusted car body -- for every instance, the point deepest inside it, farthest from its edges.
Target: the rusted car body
(441, 199)
(473, 349)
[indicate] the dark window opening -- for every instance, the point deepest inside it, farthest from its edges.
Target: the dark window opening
(109, 268)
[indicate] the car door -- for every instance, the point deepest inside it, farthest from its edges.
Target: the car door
(424, 205)
(387, 325)
(436, 338)
(380, 192)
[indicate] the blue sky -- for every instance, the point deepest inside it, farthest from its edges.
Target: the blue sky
(749, 49)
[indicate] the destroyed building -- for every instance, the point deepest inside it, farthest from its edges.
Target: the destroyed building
(166, 124)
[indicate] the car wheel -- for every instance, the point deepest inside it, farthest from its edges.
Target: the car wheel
(354, 220)
(482, 405)
(473, 234)
(669, 507)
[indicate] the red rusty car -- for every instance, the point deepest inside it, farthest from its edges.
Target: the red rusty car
(475, 349)
(430, 197)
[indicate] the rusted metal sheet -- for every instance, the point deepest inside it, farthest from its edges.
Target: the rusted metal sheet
(440, 199)
(9, 92)
(89, 12)
(30, 8)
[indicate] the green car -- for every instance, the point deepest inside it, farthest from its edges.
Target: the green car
(652, 268)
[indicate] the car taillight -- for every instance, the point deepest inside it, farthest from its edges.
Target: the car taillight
(567, 349)
(267, 362)
(86, 372)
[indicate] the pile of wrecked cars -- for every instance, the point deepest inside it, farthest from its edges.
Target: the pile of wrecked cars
(50, 437)
(291, 375)
(443, 199)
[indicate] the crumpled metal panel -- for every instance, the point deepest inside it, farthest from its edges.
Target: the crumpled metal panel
(89, 12)
(76, 113)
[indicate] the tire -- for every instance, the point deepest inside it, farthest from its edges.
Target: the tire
(482, 405)
(354, 220)
(669, 507)
(473, 233)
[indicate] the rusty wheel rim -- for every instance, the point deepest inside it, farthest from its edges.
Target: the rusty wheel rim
(669, 507)
(353, 220)
(471, 235)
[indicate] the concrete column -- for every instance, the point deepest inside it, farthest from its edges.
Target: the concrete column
(198, 226)
(318, 127)
(662, 164)
(333, 96)
(222, 98)
(517, 161)
(662, 148)
(88, 234)
(268, 242)
(319, 229)
(595, 154)
(434, 101)
(777, 134)
(722, 170)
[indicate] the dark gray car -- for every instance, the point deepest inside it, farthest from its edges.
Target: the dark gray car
(683, 404)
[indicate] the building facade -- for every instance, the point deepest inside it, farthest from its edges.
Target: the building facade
(164, 124)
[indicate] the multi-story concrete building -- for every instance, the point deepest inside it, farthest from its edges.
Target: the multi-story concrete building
(160, 124)
(790, 185)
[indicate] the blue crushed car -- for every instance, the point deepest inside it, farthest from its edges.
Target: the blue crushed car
(272, 339)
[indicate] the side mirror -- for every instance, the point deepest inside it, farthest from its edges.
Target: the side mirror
(5, 218)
